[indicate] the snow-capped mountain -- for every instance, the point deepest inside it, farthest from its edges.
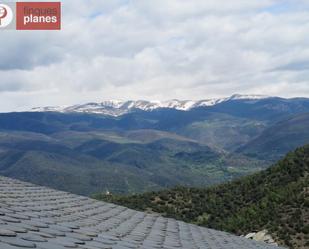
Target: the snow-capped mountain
(118, 107)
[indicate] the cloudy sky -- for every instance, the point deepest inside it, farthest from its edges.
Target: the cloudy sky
(158, 49)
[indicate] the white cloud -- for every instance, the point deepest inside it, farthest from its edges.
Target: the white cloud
(158, 50)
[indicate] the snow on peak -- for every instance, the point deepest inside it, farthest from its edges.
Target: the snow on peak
(119, 107)
(250, 97)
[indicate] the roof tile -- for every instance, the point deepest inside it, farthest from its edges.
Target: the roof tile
(39, 217)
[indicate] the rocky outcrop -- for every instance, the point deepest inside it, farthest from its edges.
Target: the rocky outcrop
(262, 236)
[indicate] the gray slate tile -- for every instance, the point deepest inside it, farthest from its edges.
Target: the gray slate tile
(38, 217)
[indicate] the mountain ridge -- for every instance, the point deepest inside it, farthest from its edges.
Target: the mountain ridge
(132, 140)
(119, 107)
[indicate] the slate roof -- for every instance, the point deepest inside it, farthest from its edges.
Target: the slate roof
(33, 216)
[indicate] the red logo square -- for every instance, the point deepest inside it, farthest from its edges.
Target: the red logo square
(38, 15)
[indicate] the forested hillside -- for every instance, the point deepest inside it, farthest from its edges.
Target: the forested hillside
(276, 199)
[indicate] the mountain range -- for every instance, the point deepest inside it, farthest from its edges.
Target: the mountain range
(118, 107)
(150, 149)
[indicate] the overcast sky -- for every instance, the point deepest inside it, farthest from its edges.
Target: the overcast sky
(158, 50)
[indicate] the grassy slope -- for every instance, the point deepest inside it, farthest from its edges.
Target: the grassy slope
(276, 199)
